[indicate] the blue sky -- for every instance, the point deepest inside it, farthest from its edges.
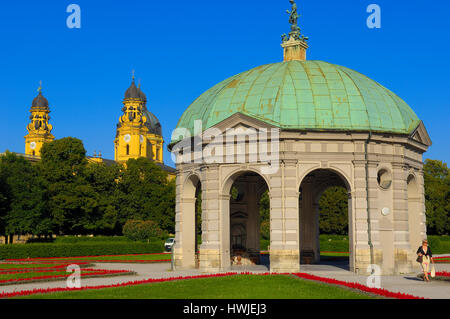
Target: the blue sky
(181, 48)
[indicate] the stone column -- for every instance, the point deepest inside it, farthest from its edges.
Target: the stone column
(362, 251)
(214, 224)
(403, 255)
(184, 249)
(284, 219)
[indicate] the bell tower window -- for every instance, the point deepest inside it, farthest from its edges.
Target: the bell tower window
(128, 149)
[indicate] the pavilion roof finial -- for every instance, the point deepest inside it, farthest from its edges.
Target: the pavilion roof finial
(40, 87)
(294, 44)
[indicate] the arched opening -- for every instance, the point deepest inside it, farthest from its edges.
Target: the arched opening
(190, 235)
(128, 149)
(247, 191)
(325, 217)
(414, 209)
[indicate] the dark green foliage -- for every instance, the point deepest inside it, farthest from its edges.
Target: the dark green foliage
(144, 193)
(19, 251)
(265, 229)
(140, 230)
(437, 197)
(64, 194)
(198, 214)
(264, 244)
(434, 242)
(72, 200)
(333, 211)
(264, 207)
(22, 197)
(89, 239)
(439, 244)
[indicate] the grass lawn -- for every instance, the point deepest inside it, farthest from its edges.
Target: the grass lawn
(233, 287)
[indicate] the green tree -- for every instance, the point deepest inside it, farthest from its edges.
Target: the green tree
(104, 218)
(264, 207)
(24, 209)
(437, 189)
(333, 211)
(145, 193)
(72, 199)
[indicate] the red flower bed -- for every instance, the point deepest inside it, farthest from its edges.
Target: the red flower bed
(85, 272)
(354, 285)
(443, 273)
(381, 292)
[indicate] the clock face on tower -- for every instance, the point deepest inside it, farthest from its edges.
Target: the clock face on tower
(33, 145)
(127, 138)
(141, 138)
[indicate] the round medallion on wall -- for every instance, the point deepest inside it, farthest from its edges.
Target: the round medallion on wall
(385, 211)
(33, 145)
(127, 138)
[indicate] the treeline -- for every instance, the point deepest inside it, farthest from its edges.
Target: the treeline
(64, 194)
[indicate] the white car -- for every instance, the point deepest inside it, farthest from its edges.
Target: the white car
(169, 243)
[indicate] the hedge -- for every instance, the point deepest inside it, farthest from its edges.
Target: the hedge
(87, 239)
(19, 251)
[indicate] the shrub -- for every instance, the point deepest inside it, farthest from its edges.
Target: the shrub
(264, 244)
(265, 229)
(139, 230)
(434, 243)
(19, 251)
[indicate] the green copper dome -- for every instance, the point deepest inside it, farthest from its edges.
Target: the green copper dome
(304, 95)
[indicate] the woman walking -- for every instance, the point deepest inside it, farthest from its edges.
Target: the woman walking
(424, 258)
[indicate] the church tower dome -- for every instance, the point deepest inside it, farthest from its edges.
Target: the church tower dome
(139, 132)
(39, 129)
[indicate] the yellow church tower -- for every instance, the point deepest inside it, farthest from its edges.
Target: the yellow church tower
(39, 130)
(139, 132)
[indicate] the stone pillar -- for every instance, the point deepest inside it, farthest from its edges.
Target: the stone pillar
(423, 218)
(284, 219)
(214, 224)
(403, 255)
(184, 249)
(362, 251)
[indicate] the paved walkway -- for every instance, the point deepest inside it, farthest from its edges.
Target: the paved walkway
(407, 284)
(403, 283)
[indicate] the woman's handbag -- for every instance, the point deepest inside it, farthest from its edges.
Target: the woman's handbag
(419, 259)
